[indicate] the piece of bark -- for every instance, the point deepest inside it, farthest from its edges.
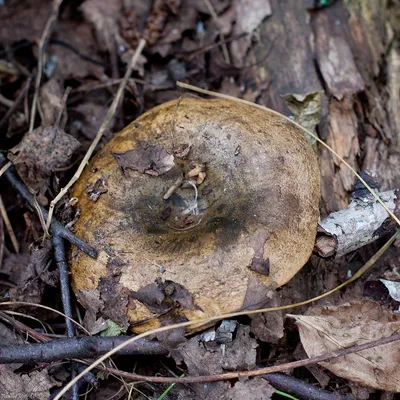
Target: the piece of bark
(363, 221)
(284, 56)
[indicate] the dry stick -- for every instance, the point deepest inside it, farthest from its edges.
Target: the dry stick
(56, 227)
(304, 390)
(225, 96)
(59, 255)
(76, 347)
(222, 36)
(17, 101)
(106, 121)
(42, 46)
(366, 266)
(257, 372)
(8, 225)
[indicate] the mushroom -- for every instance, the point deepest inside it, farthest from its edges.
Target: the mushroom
(194, 207)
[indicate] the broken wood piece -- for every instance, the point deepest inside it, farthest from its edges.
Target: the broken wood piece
(363, 221)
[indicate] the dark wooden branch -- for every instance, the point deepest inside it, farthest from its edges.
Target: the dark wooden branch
(56, 227)
(301, 389)
(77, 347)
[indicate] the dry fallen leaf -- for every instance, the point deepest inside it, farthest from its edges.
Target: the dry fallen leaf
(104, 15)
(41, 152)
(357, 322)
(255, 389)
(35, 385)
(249, 14)
(150, 159)
(307, 110)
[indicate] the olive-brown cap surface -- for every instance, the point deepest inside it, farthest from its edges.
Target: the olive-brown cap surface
(193, 207)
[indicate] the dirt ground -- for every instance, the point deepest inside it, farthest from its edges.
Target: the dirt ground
(332, 66)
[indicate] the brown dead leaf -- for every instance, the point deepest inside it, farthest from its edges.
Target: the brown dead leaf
(249, 14)
(149, 159)
(71, 35)
(51, 94)
(255, 389)
(90, 118)
(35, 385)
(23, 20)
(209, 358)
(41, 152)
(104, 16)
(332, 328)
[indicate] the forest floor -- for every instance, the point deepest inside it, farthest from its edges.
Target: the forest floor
(333, 66)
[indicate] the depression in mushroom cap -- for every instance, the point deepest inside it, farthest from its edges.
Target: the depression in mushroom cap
(202, 203)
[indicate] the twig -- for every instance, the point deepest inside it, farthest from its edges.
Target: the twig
(363, 221)
(301, 389)
(362, 270)
(42, 47)
(20, 97)
(63, 102)
(103, 127)
(56, 228)
(59, 255)
(8, 225)
(5, 167)
(76, 347)
(257, 372)
(222, 36)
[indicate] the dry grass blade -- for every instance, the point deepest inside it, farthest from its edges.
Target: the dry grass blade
(42, 47)
(8, 225)
(221, 35)
(25, 303)
(100, 133)
(5, 168)
(225, 96)
(368, 265)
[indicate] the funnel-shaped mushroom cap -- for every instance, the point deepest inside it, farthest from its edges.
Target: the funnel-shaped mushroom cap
(193, 207)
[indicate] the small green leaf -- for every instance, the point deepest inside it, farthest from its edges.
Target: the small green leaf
(113, 329)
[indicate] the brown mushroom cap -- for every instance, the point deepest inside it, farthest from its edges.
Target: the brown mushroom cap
(253, 221)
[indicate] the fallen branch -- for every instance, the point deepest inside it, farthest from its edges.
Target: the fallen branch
(257, 372)
(361, 222)
(301, 389)
(56, 227)
(77, 347)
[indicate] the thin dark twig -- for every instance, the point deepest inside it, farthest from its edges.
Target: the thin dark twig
(257, 372)
(17, 101)
(301, 389)
(56, 227)
(76, 347)
(59, 255)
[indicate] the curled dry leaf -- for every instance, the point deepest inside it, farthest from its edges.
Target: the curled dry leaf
(332, 328)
